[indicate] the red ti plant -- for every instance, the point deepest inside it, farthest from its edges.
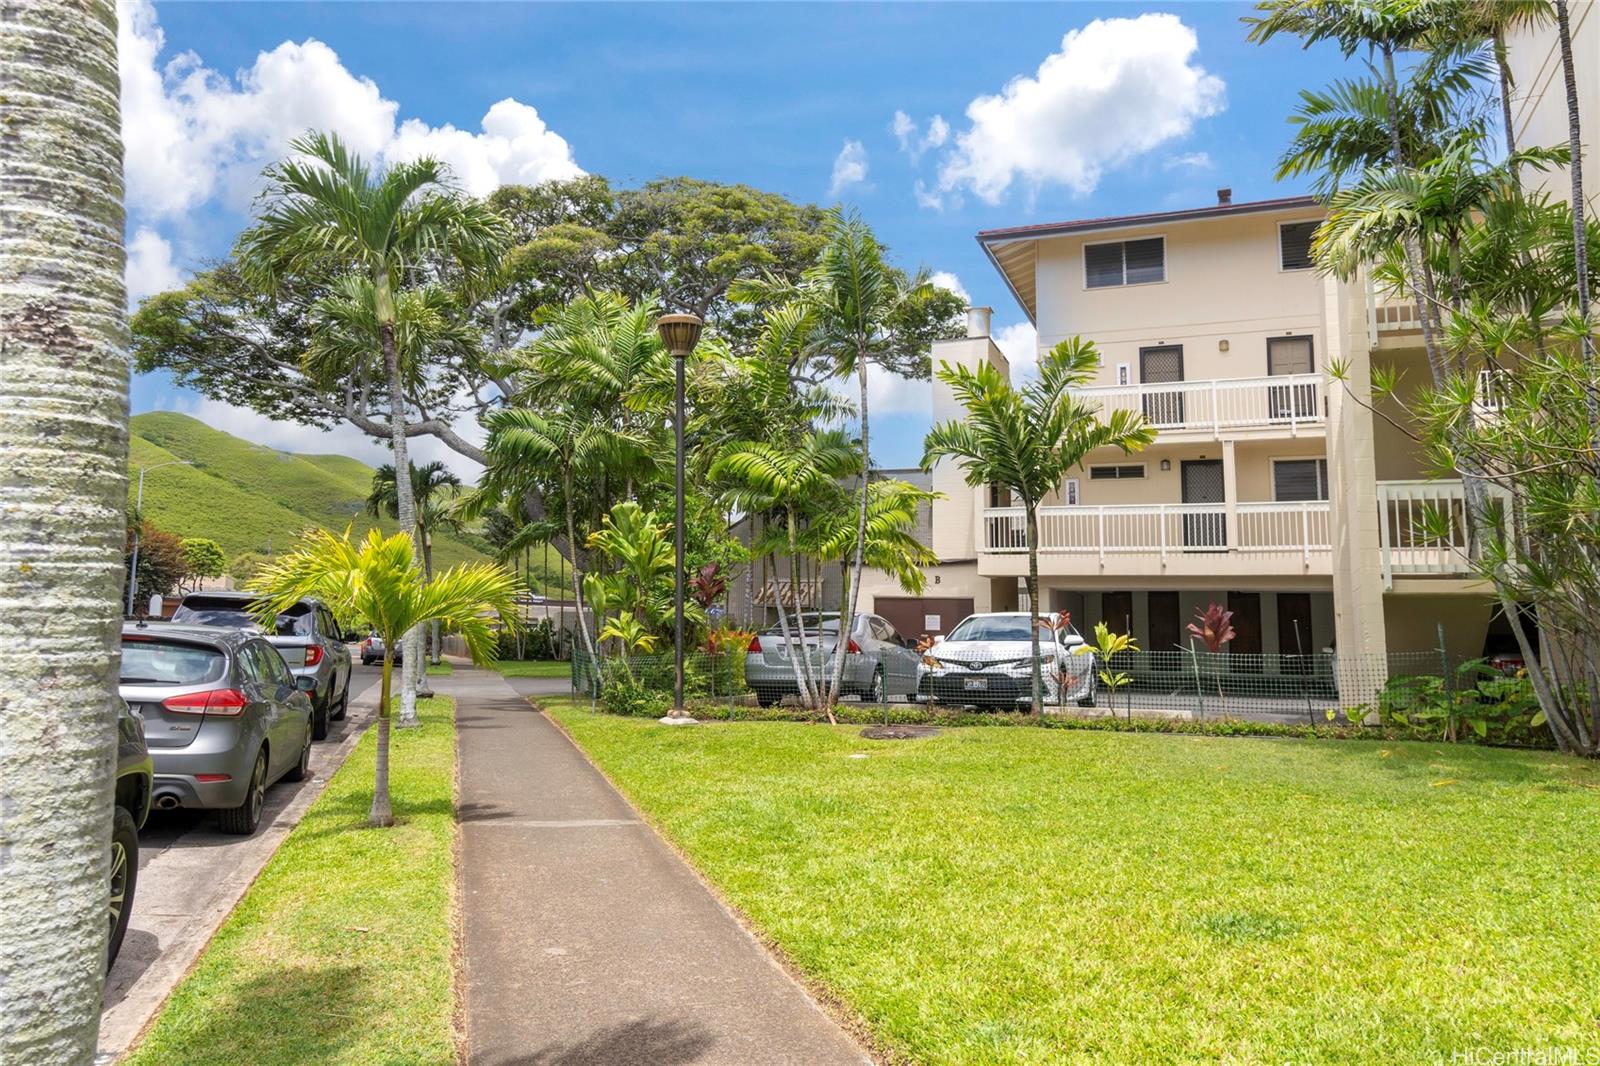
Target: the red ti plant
(708, 585)
(1214, 627)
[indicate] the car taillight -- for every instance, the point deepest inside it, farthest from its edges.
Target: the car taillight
(852, 648)
(755, 644)
(221, 701)
(313, 655)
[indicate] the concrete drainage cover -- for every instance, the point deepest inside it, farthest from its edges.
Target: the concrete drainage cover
(898, 732)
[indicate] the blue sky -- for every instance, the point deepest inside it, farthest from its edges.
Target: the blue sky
(1135, 113)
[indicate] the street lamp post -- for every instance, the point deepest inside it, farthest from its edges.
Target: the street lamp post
(679, 333)
(138, 510)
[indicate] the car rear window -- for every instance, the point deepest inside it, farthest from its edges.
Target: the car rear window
(297, 621)
(146, 661)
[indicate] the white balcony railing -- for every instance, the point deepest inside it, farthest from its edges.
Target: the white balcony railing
(1404, 525)
(1289, 402)
(1159, 529)
(1389, 314)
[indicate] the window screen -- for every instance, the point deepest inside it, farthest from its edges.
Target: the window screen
(1300, 479)
(1125, 472)
(1125, 262)
(1294, 244)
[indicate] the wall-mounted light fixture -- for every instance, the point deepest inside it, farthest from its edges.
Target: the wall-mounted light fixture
(1166, 464)
(1222, 345)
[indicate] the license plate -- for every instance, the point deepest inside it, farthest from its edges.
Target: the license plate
(975, 684)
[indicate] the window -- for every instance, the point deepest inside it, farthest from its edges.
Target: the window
(1125, 263)
(1123, 472)
(1124, 373)
(1294, 244)
(1299, 479)
(1069, 492)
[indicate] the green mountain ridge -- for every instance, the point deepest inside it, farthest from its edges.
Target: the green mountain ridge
(248, 497)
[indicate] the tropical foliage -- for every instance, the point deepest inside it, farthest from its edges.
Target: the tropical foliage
(376, 583)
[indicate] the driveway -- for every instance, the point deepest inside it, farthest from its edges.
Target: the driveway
(191, 876)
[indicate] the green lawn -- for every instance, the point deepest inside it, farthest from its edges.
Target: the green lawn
(1033, 896)
(534, 668)
(440, 669)
(341, 952)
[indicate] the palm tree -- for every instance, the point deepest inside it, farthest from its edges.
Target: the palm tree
(434, 488)
(327, 214)
(853, 296)
(64, 439)
(1580, 246)
(760, 477)
(378, 583)
(1028, 439)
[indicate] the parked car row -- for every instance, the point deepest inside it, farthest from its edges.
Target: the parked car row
(216, 709)
(986, 661)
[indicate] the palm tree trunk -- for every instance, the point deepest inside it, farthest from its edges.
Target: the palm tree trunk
(1033, 607)
(861, 530)
(1580, 244)
(427, 572)
(64, 453)
(1502, 62)
(577, 583)
(382, 813)
(406, 508)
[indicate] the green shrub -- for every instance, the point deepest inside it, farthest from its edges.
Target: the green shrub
(1492, 706)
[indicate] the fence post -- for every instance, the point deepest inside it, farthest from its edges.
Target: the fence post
(1449, 695)
(1199, 692)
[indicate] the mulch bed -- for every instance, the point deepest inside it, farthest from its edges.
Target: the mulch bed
(898, 732)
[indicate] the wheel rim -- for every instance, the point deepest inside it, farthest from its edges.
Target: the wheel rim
(258, 787)
(119, 882)
(877, 687)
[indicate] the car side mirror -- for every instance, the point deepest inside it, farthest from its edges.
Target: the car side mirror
(938, 639)
(305, 683)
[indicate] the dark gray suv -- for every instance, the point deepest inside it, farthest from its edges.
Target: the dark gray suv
(223, 717)
(306, 635)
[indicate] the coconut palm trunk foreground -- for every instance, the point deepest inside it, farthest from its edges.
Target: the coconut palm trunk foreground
(63, 492)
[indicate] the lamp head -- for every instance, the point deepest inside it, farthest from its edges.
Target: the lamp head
(680, 333)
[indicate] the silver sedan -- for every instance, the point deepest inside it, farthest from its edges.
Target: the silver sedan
(880, 664)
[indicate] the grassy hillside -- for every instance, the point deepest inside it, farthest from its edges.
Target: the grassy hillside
(248, 497)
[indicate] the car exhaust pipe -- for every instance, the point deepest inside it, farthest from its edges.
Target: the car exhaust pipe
(168, 801)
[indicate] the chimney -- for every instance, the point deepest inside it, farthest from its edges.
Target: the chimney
(978, 321)
(1224, 196)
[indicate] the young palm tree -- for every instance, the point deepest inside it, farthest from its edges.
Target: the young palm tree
(1028, 439)
(434, 488)
(378, 583)
(64, 447)
(328, 214)
(761, 477)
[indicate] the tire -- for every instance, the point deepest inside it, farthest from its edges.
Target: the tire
(877, 692)
(319, 719)
(302, 769)
(124, 877)
(242, 820)
(344, 702)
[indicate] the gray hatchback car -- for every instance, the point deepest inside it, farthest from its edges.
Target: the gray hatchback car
(223, 717)
(879, 664)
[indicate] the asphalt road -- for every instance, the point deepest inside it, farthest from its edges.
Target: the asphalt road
(191, 876)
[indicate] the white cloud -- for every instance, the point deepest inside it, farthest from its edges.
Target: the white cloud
(926, 197)
(1189, 161)
(150, 268)
(849, 167)
(193, 135)
(1020, 345)
(1117, 88)
(904, 128)
(946, 280)
(890, 394)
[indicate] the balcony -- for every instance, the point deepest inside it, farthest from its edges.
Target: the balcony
(1403, 527)
(1171, 538)
(1282, 405)
(1391, 318)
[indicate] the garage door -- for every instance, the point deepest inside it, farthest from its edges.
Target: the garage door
(923, 616)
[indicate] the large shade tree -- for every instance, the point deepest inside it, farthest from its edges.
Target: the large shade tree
(1028, 439)
(327, 214)
(63, 487)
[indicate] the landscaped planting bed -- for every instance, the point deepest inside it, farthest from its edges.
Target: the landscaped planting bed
(1047, 895)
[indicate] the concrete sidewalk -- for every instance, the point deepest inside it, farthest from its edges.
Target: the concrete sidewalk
(587, 940)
